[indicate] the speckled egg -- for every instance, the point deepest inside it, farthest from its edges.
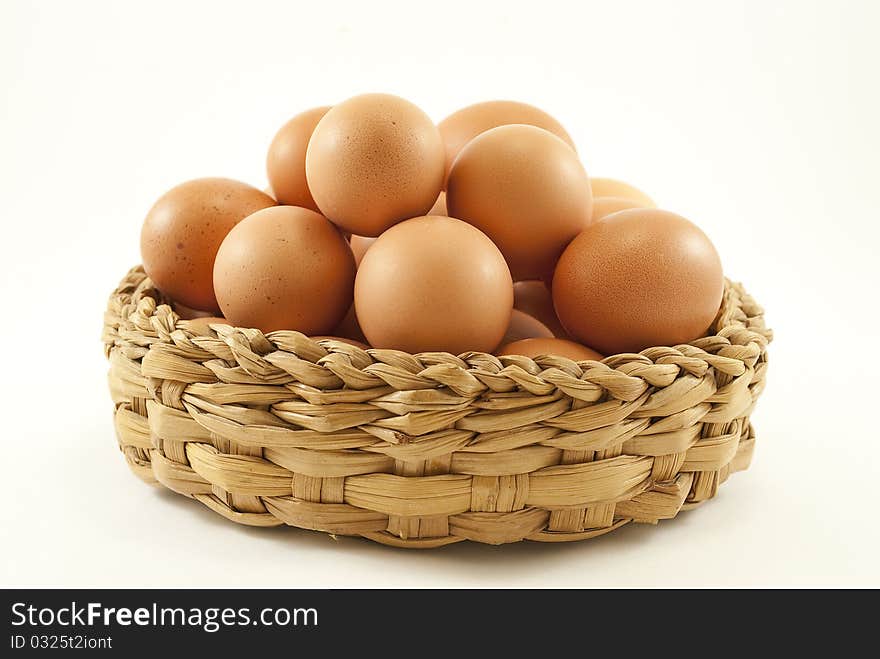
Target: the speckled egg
(524, 326)
(285, 268)
(538, 347)
(526, 189)
(609, 187)
(202, 324)
(434, 284)
(603, 206)
(286, 160)
(342, 339)
(533, 297)
(638, 278)
(374, 160)
(349, 327)
(462, 126)
(184, 229)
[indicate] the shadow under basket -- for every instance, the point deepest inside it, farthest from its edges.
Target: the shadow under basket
(430, 449)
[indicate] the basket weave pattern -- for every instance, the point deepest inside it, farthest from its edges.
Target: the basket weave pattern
(430, 449)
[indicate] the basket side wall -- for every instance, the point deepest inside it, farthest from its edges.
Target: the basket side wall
(422, 451)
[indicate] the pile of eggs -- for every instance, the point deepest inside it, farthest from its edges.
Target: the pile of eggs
(483, 233)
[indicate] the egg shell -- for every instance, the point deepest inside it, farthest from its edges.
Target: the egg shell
(636, 279)
(201, 325)
(533, 297)
(359, 246)
(434, 284)
(342, 339)
(439, 207)
(539, 347)
(183, 231)
(609, 187)
(524, 326)
(285, 268)
(462, 126)
(374, 160)
(350, 328)
(185, 313)
(526, 189)
(603, 206)
(286, 159)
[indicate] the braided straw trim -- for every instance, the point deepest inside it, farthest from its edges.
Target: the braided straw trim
(430, 449)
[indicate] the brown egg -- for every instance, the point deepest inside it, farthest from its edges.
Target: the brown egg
(555, 347)
(524, 326)
(434, 284)
(201, 325)
(184, 229)
(186, 313)
(533, 297)
(527, 190)
(439, 207)
(373, 161)
(359, 246)
(639, 278)
(462, 126)
(603, 206)
(609, 187)
(285, 268)
(357, 344)
(349, 328)
(286, 160)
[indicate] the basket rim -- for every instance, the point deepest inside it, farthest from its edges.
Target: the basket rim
(140, 316)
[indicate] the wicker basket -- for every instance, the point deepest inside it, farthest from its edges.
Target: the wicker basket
(431, 449)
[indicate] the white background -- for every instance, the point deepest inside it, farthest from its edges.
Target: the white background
(757, 120)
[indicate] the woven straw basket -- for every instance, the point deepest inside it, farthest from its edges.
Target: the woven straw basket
(431, 449)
